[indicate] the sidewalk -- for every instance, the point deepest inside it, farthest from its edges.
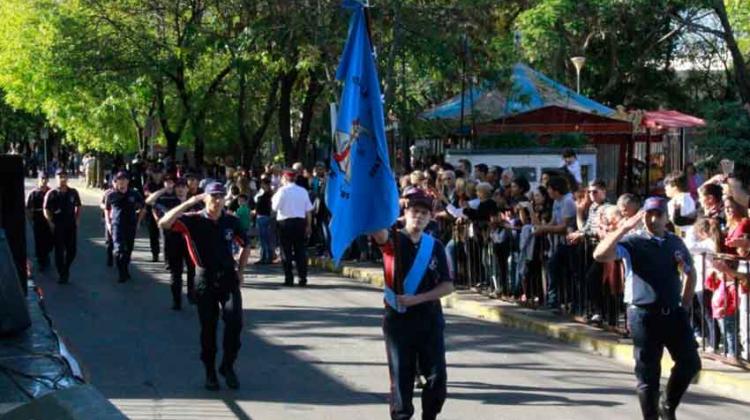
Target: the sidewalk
(725, 380)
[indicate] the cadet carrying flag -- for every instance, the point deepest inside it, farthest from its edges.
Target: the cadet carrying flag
(361, 192)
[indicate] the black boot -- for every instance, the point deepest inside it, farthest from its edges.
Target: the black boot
(212, 381)
(666, 410)
(227, 372)
(649, 404)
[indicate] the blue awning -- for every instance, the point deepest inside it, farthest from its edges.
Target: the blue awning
(529, 90)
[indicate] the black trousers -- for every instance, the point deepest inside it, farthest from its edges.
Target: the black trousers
(218, 292)
(153, 234)
(176, 253)
(410, 341)
(123, 239)
(652, 331)
(65, 243)
(110, 245)
(292, 232)
(43, 241)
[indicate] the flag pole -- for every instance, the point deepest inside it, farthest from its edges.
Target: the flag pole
(398, 286)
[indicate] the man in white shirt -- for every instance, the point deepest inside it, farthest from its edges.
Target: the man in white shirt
(570, 162)
(294, 216)
(681, 207)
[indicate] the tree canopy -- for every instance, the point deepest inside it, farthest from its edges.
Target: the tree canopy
(246, 77)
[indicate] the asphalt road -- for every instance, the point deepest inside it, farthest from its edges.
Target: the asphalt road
(315, 353)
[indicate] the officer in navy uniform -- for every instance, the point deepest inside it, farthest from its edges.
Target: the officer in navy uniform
(35, 211)
(210, 234)
(154, 182)
(62, 209)
(654, 260)
(413, 323)
(124, 209)
(176, 253)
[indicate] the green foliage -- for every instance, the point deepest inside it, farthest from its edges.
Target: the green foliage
(507, 140)
(568, 140)
(727, 133)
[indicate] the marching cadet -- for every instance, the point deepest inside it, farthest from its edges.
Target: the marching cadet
(172, 195)
(413, 323)
(210, 234)
(108, 244)
(654, 261)
(154, 182)
(35, 212)
(124, 209)
(62, 209)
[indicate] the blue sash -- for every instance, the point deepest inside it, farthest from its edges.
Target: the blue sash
(416, 273)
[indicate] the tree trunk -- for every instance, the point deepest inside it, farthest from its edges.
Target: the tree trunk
(740, 66)
(255, 142)
(314, 89)
(241, 110)
(199, 143)
(172, 136)
(285, 115)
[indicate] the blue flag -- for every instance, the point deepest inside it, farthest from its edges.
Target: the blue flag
(361, 192)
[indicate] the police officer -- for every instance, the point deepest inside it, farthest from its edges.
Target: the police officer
(176, 253)
(654, 259)
(108, 244)
(124, 209)
(62, 209)
(155, 178)
(413, 322)
(294, 215)
(35, 211)
(210, 234)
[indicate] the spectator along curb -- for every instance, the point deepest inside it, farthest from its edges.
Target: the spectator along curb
(727, 381)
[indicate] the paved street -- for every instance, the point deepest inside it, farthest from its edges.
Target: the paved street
(315, 353)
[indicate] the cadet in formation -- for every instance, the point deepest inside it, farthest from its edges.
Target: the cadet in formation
(35, 212)
(654, 261)
(210, 234)
(62, 209)
(176, 253)
(124, 210)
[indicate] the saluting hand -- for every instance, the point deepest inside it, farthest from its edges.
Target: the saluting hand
(632, 222)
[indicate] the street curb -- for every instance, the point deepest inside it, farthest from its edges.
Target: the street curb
(723, 380)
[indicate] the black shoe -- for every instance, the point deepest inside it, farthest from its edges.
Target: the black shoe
(665, 412)
(212, 382)
(110, 261)
(155, 258)
(303, 282)
(288, 284)
(229, 376)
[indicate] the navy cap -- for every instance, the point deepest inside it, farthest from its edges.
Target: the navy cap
(122, 175)
(43, 175)
(61, 171)
(416, 197)
(215, 188)
(655, 203)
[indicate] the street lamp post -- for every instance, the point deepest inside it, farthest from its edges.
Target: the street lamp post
(44, 134)
(578, 62)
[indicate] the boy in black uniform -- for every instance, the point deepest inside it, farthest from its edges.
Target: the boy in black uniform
(209, 235)
(35, 212)
(172, 195)
(62, 209)
(654, 260)
(124, 209)
(413, 323)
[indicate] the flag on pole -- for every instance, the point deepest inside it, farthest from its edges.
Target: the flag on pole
(361, 192)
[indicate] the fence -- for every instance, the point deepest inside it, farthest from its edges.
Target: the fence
(509, 264)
